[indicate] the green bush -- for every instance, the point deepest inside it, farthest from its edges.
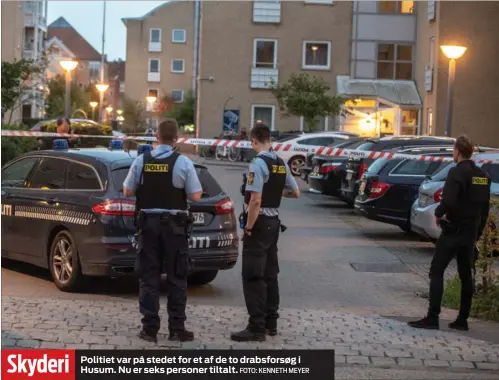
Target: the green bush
(15, 146)
(84, 128)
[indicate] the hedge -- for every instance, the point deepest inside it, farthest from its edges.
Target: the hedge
(15, 146)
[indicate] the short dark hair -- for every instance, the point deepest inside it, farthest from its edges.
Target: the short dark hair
(59, 121)
(167, 131)
(464, 146)
(261, 133)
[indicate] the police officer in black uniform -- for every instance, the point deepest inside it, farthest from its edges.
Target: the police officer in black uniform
(268, 180)
(462, 215)
(162, 180)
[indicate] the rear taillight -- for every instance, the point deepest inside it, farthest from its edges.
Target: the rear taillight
(363, 168)
(328, 168)
(378, 189)
(438, 195)
(224, 207)
(115, 207)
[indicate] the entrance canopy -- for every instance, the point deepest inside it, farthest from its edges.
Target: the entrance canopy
(401, 93)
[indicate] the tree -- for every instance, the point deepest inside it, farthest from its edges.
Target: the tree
(309, 97)
(56, 99)
(135, 115)
(15, 79)
(182, 112)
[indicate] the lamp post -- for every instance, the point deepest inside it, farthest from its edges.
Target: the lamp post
(68, 66)
(101, 87)
(452, 52)
(93, 105)
(109, 110)
(151, 100)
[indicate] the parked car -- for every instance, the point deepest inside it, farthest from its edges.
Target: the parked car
(390, 186)
(357, 166)
(296, 155)
(327, 172)
(430, 193)
(70, 203)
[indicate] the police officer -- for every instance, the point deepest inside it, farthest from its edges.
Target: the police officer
(462, 215)
(162, 180)
(268, 180)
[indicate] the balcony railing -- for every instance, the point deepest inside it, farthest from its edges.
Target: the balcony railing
(428, 80)
(267, 11)
(153, 77)
(264, 75)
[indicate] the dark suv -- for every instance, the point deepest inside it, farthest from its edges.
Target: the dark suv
(357, 166)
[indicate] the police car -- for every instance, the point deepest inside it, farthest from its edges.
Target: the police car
(63, 209)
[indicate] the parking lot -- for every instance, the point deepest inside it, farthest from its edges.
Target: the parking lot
(346, 283)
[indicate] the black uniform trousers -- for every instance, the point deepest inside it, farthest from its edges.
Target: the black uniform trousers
(460, 244)
(259, 272)
(159, 247)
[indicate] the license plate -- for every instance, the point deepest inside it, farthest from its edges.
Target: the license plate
(362, 187)
(349, 176)
(198, 218)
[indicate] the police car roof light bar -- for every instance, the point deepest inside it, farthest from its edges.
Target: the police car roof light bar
(116, 145)
(60, 144)
(143, 148)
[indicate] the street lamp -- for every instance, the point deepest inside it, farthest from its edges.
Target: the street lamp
(93, 105)
(151, 100)
(119, 112)
(68, 66)
(452, 52)
(101, 87)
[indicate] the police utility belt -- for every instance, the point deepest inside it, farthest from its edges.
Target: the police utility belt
(180, 222)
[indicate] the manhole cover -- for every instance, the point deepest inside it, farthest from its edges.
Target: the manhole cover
(379, 268)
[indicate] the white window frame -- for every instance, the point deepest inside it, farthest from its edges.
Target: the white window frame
(176, 71)
(159, 65)
(182, 96)
(319, 2)
(326, 123)
(173, 36)
(432, 53)
(271, 106)
(255, 41)
(316, 67)
(150, 35)
(153, 89)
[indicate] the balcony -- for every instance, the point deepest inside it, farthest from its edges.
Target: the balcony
(267, 11)
(28, 53)
(262, 77)
(30, 21)
(154, 47)
(428, 79)
(153, 77)
(122, 87)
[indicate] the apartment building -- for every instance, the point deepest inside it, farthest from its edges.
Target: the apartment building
(63, 43)
(475, 25)
(376, 54)
(116, 75)
(24, 28)
(160, 54)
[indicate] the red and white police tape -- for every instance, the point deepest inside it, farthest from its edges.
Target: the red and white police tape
(277, 147)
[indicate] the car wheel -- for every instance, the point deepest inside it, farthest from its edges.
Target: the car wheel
(64, 263)
(202, 278)
(295, 165)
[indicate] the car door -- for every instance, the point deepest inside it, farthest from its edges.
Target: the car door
(14, 176)
(36, 205)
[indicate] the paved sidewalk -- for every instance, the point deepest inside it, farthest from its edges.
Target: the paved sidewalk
(358, 340)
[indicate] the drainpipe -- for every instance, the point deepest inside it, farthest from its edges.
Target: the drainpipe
(34, 100)
(195, 84)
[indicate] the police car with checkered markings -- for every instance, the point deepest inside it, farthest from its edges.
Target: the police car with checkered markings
(64, 210)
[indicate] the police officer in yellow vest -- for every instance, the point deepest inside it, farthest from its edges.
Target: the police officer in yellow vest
(162, 180)
(269, 179)
(462, 215)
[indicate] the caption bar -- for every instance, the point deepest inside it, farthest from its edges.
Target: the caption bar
(198, 364)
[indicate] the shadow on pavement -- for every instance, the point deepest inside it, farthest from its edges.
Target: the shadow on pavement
(481, 330)
(126, 287)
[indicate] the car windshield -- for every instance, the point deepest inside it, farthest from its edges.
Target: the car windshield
(349, 144)
(368, 145)
(209, 184)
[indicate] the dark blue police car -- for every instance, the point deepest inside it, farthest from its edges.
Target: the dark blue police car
(64, 210)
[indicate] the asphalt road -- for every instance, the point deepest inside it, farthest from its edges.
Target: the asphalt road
(318, 253)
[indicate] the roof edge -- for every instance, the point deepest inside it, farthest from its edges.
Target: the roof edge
(151, 12)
